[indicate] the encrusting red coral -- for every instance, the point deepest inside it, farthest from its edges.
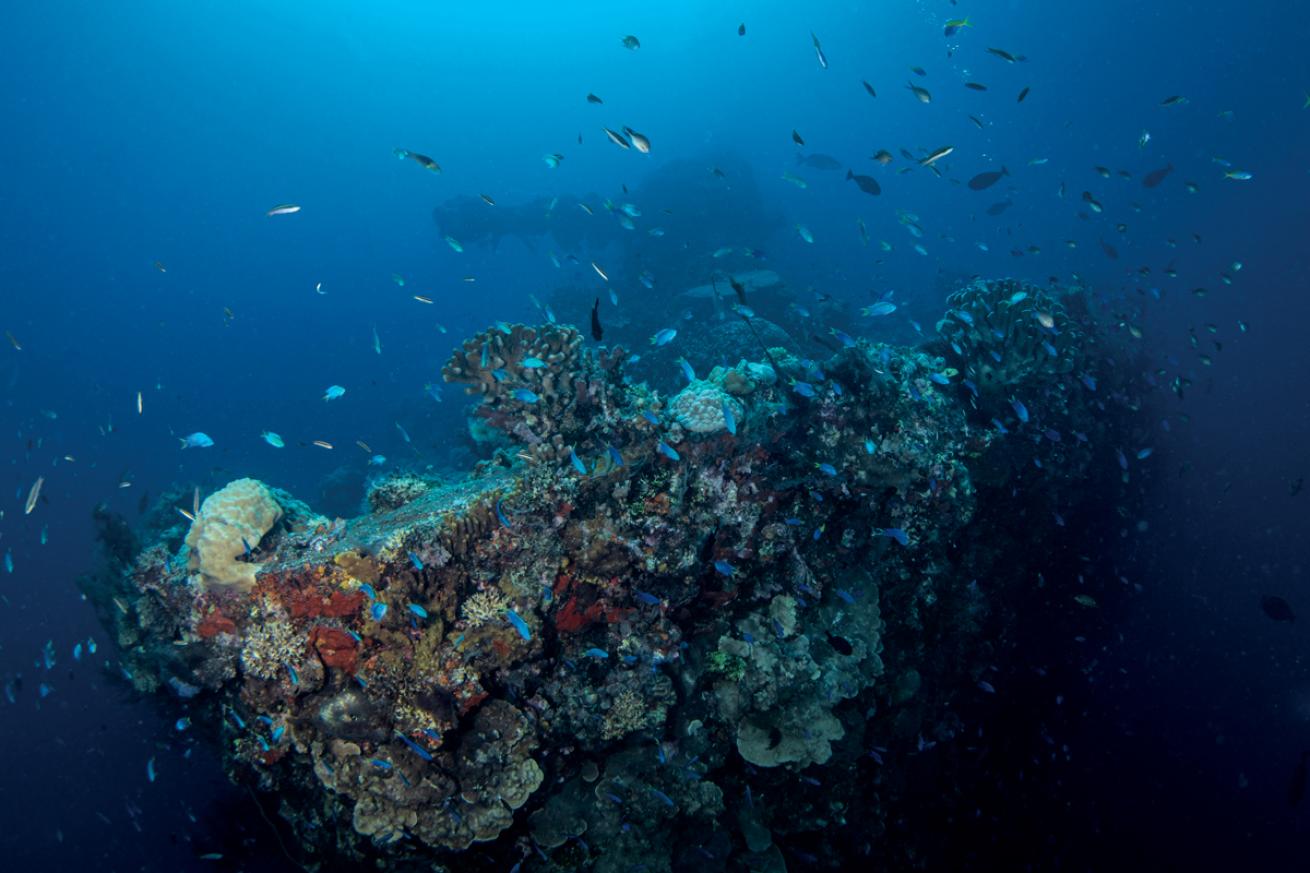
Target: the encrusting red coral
(335, 647)
(215, 623)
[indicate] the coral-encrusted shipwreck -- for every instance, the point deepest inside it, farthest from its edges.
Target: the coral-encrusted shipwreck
(536, 653)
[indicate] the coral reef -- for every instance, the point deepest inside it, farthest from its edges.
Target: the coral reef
(591, 653)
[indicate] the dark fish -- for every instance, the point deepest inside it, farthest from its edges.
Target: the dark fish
(741, 29)
(819, 161)
(796, 138)
(1023, 94)
(975, 86)
(1296, 485)
(1110, 251)
(868, 184)
(740, 290)
(1155, 177)
(982, 181)
(997, 208)
(1296, 790)
(869, 88)
(1003, 55)
(596, 332)
(1277, 608)
(592, 98)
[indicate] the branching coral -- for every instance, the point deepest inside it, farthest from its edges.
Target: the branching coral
(483, 607)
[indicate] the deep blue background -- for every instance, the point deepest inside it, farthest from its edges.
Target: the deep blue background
(163, 131)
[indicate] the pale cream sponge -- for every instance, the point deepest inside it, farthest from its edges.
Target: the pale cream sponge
(242, 510)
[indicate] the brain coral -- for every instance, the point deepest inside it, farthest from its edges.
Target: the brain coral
(699, 407)
(242, 510)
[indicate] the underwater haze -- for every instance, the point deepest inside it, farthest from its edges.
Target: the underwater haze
(654, 437)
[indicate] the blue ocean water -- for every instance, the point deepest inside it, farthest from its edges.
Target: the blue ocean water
(143, 146)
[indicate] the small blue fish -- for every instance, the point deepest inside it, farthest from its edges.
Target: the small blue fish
(416, 561)
(369, 590)
(486, 355)
(882, 308)
(897, 534)
(594, 652)
(1143, 454)
(804, 389)
(687, 371)
(792, 522)
(845, 595)
(615, 458)
(1052, 434)
(664, 337)
(519, 624)
(499, 375)
(940, 378)
(332, 393)
(1019, 409)
(415, 747)
(577, 463)
(500, 514)
(869, 447)
(724, 568)
(650, 417)
(827, 469)
(818, 531)
(1000, 428)
(986, 686)
(291, 672)
(524, 395)
(77, 652)
(646, 598)
(380, 764)
(668, 451)
(182, 724)
(378, 611)
(278, 733)
(418, 610)
(844, 338)
(662, 797)
(199, 440)
(1123, 460)
(246, 544)
(729, 420)
(963, 316)
(1050, 349)
(532, 363)
(150, 769)
(1089, 381)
